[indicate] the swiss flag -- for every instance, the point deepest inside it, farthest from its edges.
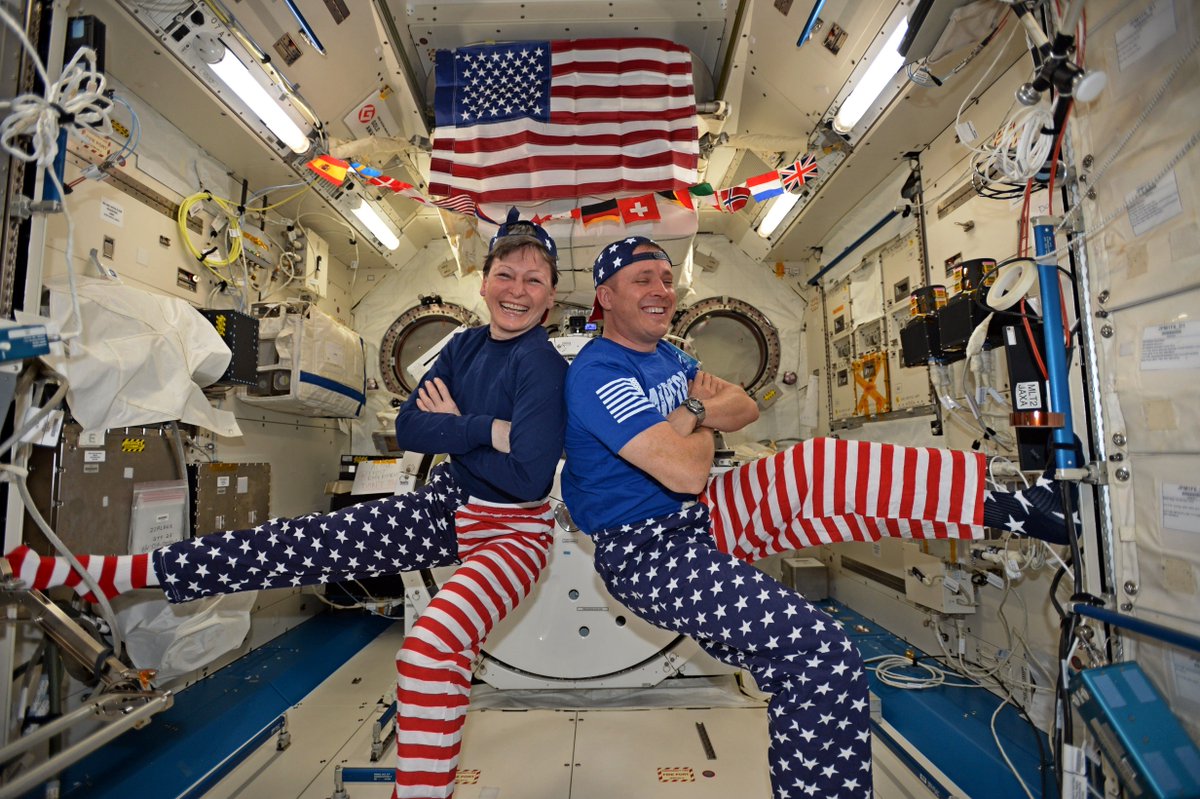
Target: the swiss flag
(638, 209)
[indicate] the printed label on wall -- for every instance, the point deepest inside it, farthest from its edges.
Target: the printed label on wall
(1181, 507)
(1148, 29)
(1150, 205)
(371, 117)
(111, 212)
(1186, 666)
(1173, 346)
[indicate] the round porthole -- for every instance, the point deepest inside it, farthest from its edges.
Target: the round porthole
(412, 334)
(732, 339)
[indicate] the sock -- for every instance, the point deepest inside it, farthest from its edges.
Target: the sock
(1035, 511)
(115, 573)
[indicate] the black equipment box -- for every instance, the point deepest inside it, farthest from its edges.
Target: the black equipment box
(240, 334)
(920, 342)
(958, 319)
(1029, 393)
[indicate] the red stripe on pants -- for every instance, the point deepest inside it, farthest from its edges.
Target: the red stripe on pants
(503, 551)
(922, 493)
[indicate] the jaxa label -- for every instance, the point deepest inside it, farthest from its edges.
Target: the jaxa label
(1028, 396)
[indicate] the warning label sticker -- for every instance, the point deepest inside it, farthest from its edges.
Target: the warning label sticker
(676, 774)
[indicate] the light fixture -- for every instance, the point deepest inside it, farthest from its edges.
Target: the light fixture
(370, 218)
(234, 74)
(775, 214)
(881, 70)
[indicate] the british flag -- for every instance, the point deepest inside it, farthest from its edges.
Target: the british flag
(733, 199)
(799, 173)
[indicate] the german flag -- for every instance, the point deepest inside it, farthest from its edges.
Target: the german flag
(332, 169)
(600, 212)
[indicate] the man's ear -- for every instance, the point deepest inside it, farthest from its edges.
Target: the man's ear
(483, 286)
(604, 296)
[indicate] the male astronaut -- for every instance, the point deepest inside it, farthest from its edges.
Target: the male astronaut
(675, 546)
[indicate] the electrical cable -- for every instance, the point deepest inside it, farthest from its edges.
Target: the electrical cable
(1000, 746)
(110, 615)
(887, 666)
(1025, 143)
(1062, 132)
(181, 465)
(284, 201)
(228, 208)
(971, 94)
(135, 132)
(36, 419)
(76, 98)
(18, 477)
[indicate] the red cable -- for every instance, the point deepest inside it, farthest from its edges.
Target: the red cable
(1054, 155)
(1023, 232)
(1082, 36)
(1037, 355)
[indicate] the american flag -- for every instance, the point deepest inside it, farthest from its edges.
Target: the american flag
(459, 203)
(796, 174)
(533, 121)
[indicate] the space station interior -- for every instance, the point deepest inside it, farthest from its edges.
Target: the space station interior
(237, 235)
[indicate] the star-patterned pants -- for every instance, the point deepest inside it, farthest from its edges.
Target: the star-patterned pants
(690, 572)
(502, 550)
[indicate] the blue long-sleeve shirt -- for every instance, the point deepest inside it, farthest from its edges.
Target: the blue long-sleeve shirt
(519, 380)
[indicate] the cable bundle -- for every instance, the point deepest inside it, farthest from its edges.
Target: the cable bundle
(76, 99)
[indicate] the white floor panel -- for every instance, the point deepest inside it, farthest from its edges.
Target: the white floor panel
(541, 753)
(659, 753)
(517, 754)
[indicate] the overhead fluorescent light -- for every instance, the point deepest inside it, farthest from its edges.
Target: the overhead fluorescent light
(775, 214)
(234, 74)
(370, 218)
(881, 70)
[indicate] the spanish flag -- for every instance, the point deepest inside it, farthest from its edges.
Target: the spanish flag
(332, 169)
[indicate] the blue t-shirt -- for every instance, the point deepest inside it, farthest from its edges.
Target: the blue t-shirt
(613, 394)
(519, 380)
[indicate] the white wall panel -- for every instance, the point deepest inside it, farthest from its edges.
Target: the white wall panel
(1143, 268)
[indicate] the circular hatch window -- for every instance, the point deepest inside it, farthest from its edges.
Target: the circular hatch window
(412, 334)
(732, 339)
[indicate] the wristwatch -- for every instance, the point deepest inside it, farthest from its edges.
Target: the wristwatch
(696, 408)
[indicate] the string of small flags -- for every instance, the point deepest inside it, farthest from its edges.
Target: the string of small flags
(628, 210)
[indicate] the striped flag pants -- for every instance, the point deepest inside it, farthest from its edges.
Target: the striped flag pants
(502, 550)
(689, 572)
(826, 491)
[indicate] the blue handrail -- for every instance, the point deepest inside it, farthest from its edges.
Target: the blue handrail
(812, 281)
(1158, 631)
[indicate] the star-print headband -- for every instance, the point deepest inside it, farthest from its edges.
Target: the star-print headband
(514, 226)
(616, 257)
